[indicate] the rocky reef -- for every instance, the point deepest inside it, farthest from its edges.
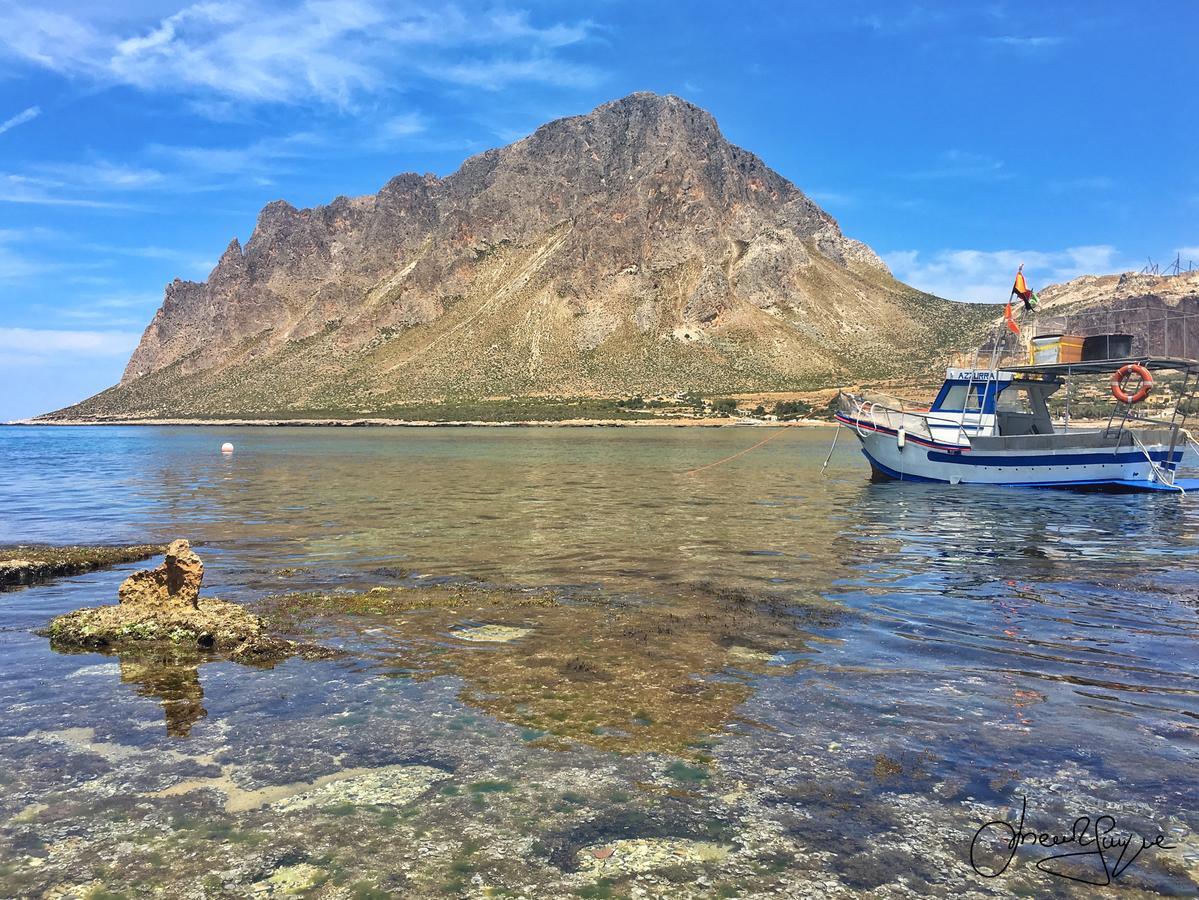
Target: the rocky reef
(32, 564)
(574, 669)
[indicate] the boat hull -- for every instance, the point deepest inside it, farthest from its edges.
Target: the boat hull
(894, 457)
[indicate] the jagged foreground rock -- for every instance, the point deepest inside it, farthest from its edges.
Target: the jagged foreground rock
(163, 606)
(630, 250)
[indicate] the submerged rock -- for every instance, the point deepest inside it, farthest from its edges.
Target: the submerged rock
(499, 634)
(389, 786)
(639, 855)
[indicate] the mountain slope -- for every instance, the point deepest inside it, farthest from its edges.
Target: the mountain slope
(631, 250)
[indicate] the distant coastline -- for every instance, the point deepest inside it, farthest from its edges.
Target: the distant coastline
(680, 422)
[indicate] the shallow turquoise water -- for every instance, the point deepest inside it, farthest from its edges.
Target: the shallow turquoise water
(990, 643)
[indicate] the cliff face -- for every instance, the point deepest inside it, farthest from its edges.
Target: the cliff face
(630, 250)
(1161, 312)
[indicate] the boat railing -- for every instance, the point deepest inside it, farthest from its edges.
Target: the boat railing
(870, 408)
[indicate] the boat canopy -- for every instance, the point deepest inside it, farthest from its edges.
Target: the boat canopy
(1107, 366)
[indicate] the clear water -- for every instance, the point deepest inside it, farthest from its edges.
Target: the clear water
(952, 651)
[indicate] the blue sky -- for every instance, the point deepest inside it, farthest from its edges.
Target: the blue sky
(956, 139)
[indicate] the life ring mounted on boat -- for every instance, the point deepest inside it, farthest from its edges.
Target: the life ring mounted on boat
(1121, 375)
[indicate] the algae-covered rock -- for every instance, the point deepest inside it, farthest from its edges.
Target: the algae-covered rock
(492, 634)
(210, 625)
(647, 854)
(163, 606)
(292, 880)
(389, 786)
(32, 564)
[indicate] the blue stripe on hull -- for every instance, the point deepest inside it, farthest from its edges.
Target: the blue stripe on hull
(1064, 459)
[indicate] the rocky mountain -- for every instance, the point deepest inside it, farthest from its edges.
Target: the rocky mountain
(632, 250)
(1161, 312)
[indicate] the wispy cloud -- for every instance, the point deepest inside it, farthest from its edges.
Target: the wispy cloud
(113, 311)
(833, 198)
(1083, 183)
(103, 184)
(35, 190)
(192, 166)
(195, 263)
(963, 164)
(987, 275)
(47, 342)
(317, 51)
(402, 125)
(15, 266)
(1026, 43)
(100, 175)
(496, 74)
(1188, 255)
(25, 115)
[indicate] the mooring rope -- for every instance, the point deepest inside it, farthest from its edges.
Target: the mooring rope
(721, 462)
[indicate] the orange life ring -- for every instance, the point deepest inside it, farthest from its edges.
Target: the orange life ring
(1122, 374)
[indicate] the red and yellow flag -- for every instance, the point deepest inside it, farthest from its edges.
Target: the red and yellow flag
(1023, 291)
(1009, 319)
(1020, 288)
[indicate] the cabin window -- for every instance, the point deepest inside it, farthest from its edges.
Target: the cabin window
(1014, 400)
(955, 397)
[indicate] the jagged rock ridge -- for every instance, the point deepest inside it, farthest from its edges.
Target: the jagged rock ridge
(629, 250)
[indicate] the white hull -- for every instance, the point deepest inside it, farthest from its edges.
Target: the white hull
(897, 457)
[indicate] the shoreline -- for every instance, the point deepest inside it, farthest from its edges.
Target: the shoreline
(418, 423)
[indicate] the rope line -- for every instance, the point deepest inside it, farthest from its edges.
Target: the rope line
(782, 430)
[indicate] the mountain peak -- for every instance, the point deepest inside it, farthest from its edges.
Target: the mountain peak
(632, 249)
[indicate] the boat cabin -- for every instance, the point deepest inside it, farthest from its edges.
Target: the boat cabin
(986, 403)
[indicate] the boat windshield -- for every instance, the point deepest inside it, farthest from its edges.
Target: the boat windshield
(960, 396)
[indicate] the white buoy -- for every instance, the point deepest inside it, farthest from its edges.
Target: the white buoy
(226, 447)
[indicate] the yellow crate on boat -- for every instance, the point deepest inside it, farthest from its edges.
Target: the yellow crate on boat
(1047, 349)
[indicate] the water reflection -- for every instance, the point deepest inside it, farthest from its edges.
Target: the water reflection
(175, 683)
(167, 674)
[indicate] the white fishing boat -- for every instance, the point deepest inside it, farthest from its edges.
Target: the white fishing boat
(990, 424)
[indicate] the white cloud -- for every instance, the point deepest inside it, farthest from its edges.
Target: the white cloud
(47, 343)
(46, 192)
(259, 158)
(15, 267)
(987, 275)
(1028, 43)
(833, 198)
(964, 164)
(404, 125)
(99, 176)
(18, 266)
(1086, 183)
(494, 74)
(324, 51)
(20, 118)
